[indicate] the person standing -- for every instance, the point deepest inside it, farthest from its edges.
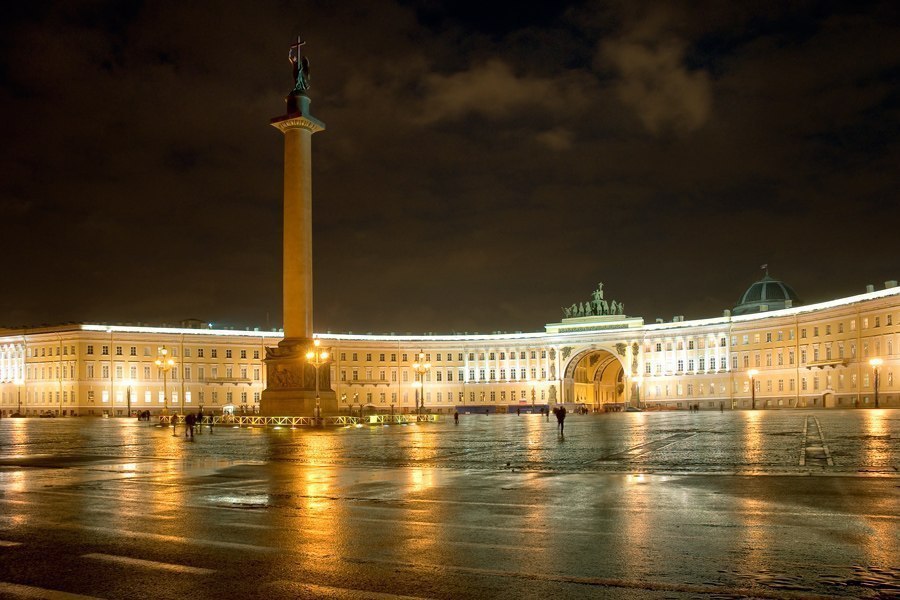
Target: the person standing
(456, 417)
(189, 421)
(174, 421)
(200, 421)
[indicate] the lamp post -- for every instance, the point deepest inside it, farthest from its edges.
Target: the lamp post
(164, 363)
(19, 383)
(753, 373)
(421, 368)
(128, 397)
(636, 390)
(876, 364)
(317, 358)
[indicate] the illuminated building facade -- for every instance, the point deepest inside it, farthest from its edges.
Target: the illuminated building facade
(819, 355)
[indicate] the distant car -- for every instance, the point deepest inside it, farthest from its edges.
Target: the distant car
(47, 415)
(633, 409)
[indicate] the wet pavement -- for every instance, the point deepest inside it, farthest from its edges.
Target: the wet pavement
(788, 504)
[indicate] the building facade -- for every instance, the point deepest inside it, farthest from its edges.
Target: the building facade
(832, 354)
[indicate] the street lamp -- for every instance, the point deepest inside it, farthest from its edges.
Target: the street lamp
(19, 383)
(317, 358)
(164, 363)
(421, 367)
(753, 373)
(128, 396)
(876, 363)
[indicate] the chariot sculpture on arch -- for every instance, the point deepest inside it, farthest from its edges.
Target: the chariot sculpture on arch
(596, 306)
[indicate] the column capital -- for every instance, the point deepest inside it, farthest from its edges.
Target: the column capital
(308, 122)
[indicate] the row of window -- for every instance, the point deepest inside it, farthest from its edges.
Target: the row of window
(448, 397)
(778, 336)
(679, 364)
(120, 397)
(770, 385)
(63, 372)
(440, 356)
(440, 376)
(658, 346)
(201, 352)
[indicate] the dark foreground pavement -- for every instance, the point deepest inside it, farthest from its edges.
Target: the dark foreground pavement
(766, 504)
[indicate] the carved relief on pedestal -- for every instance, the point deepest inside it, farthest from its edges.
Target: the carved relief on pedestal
(282, 377)
(287, 369)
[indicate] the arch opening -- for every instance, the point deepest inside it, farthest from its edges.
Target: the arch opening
(596, 378)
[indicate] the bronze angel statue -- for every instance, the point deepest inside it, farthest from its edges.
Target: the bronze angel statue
(301, 68)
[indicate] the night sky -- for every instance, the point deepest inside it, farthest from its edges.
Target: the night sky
(483, 166)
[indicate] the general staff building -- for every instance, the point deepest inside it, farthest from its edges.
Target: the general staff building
(768, 352)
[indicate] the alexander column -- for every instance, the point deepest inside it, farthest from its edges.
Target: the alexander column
(291, 379)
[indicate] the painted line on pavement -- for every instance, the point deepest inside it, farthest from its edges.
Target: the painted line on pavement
(11, 501)
(608, 582)
(646, 448)
(803, 442)
(27, 591)
(828, 458)
(139, 500)
(150, 564)
(327, 591)
(128, 513)
(250, 525)
(168, 538)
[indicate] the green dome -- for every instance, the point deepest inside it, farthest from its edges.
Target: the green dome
(767, 292)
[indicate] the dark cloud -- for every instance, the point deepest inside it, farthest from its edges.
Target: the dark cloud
(481, 167)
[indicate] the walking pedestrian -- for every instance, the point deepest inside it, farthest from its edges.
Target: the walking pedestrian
(456, 417)
(189, 421)
(560, 413)
(200, 421)
(174, 421)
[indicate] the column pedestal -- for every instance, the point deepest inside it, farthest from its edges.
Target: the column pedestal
(291, 382)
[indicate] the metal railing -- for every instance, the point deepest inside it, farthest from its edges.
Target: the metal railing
(327, 421)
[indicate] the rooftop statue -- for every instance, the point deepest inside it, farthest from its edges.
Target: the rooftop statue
(596, 306)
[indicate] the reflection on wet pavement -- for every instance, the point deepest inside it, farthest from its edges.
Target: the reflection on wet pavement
(668, 505)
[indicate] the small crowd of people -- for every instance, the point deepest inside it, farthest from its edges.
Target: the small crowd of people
(192, 422)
